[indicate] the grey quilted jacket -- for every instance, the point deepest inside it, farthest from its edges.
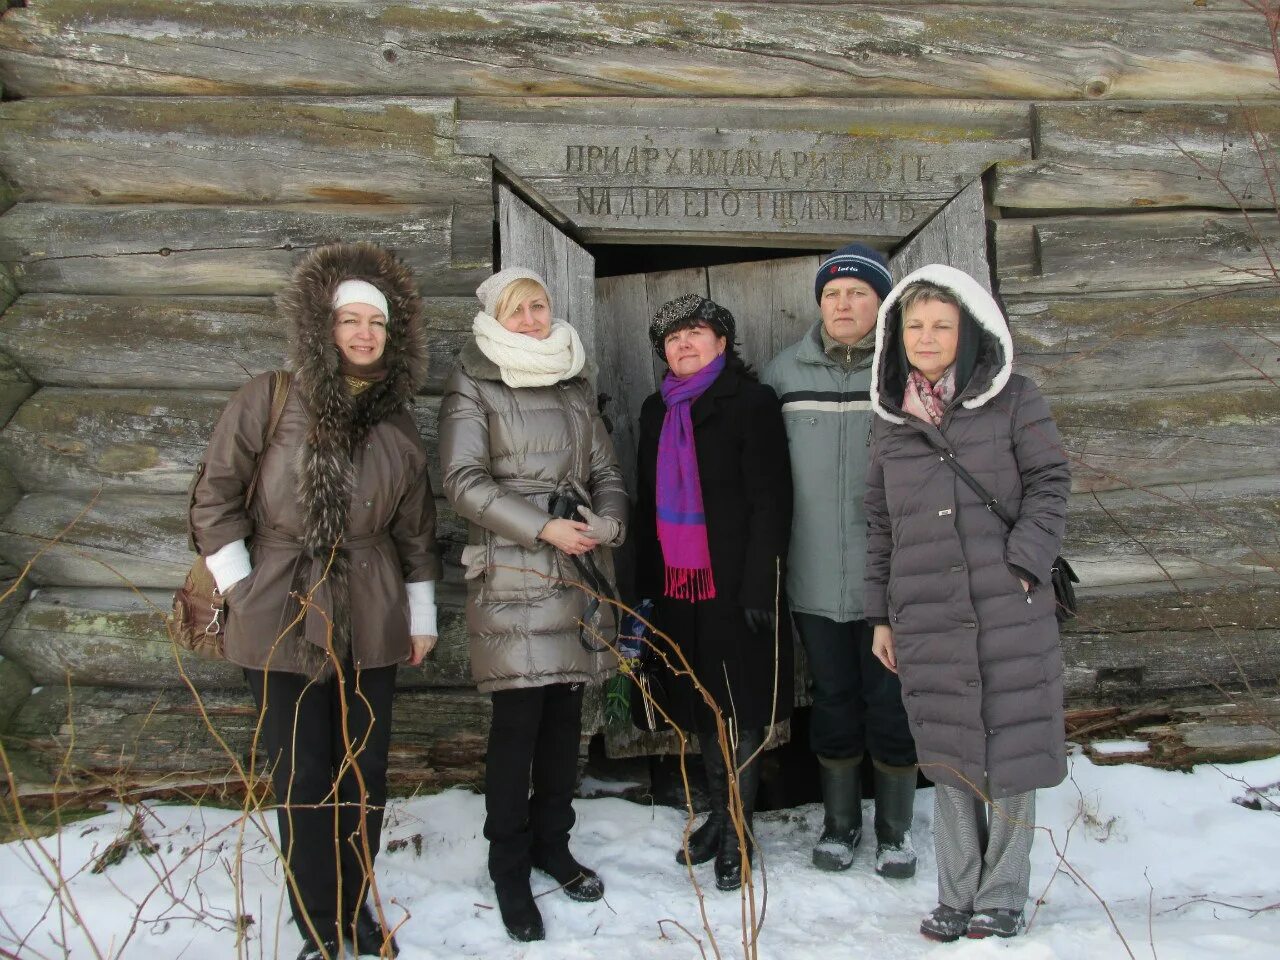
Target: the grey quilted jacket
(978, 656)
(504, 451)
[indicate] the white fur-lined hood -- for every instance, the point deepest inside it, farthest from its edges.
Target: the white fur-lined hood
(980, 305)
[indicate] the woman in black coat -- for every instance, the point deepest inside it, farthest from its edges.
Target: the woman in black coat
(712, 524)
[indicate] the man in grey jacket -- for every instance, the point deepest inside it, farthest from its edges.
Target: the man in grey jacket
(822, 381)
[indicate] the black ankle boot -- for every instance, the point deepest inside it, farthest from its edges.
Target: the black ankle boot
(578, 882)
(519, 911)
(704, 842)
(369, 938)
(729, 856)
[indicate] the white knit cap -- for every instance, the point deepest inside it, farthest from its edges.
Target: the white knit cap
(489, 291)
(360, 291)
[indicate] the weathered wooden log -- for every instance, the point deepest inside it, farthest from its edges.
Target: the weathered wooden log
(131, 737)
(212, 343)
(1109, 156)
(1162, 252)
(1186, 435)
(1220, 532)
(1243, 606)
(123, 539)
(1074, 344)
(115, 637)
(144, 441)
(170, 248)
(661, 48)
(238, 150)
(15, 387)
(749, 172)
(15, 689)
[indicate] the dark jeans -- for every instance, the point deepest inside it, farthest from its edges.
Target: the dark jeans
(533, 740)
(857, 703)
(302, 743)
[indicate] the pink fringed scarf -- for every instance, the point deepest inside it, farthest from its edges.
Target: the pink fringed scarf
(682, 524)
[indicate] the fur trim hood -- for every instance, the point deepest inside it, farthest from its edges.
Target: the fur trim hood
(995, 355)
(338, 421)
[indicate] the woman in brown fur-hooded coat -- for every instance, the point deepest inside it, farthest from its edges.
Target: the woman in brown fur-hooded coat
(343, 512)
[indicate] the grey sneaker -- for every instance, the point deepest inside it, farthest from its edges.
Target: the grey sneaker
(945, 924)
(996, 923)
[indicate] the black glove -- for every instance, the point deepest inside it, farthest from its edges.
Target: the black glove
(760, 620)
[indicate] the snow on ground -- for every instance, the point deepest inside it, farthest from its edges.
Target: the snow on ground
(1150, 843)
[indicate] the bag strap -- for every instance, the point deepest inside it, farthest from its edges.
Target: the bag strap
(947, 455)
(280, 382)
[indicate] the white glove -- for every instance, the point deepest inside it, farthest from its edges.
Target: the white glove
(600, 529)
(229, 565)
(422, 608)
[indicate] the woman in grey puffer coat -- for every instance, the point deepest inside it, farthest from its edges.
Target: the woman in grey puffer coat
(518, 426)
(964, 606)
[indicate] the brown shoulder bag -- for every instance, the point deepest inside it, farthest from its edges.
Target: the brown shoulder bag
(198, 619)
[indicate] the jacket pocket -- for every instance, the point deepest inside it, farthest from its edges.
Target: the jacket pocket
(512, 572)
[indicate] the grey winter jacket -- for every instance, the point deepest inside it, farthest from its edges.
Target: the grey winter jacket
(504, 451)
(827, 411)
(978, 656)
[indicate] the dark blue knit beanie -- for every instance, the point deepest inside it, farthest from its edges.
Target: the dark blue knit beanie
(859, 261)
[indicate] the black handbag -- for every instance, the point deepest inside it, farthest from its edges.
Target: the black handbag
(1061, 575)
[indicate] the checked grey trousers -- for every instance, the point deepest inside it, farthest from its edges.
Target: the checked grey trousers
(983, 850)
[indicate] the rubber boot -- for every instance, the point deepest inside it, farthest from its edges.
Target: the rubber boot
(842, 805)
(729, 856)
(704, 842)
(895, 803)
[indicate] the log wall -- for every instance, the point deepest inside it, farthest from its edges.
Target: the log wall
(162, 169)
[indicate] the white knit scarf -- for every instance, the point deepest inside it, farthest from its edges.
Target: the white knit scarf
(525, 361)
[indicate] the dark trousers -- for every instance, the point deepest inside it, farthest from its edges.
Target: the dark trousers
(533, 741)
(325, 820)
(857, 703)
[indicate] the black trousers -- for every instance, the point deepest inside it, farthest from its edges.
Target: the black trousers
(533, 741)
(857, 703)
(326, 819)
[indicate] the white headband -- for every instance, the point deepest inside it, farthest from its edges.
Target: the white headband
(360, 291)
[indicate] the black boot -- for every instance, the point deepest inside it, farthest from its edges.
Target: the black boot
(895, 804)
(313, 949)
(729, 856)
(842, 819)
(369, 938)
(704, 842)
(519, 911)
(578, 882)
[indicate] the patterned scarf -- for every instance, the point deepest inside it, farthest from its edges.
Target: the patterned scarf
(926, 400)
(682, 525)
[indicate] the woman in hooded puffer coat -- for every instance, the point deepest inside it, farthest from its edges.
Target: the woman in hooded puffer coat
(343, 515)
(519, 433)
(963, 606)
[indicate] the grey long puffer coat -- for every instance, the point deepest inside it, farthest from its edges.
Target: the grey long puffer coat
(978, 656)
(504, 451)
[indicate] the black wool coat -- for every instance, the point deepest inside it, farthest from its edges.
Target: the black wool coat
(745, 472)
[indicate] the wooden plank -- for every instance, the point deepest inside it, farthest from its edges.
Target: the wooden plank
(957, 236)
(215, 343)
(115, 637)
(15, 689)
(237, 150)
(136, 736)
(1186, 435)
(179, 249)
(1161, 252)
(771, 300)
(1073, 344)
(623, 325)
(682, 49)
(1222, 532)
(529, 240)
(144, 441)
(15, 387)
(1243, 606)
(137, 539)
(746, 172)
(1099, 156)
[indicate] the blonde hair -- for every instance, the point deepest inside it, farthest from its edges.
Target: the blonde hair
(516, 293)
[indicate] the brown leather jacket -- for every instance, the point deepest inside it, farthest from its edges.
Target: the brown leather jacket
(377, 497)
(504, 450)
